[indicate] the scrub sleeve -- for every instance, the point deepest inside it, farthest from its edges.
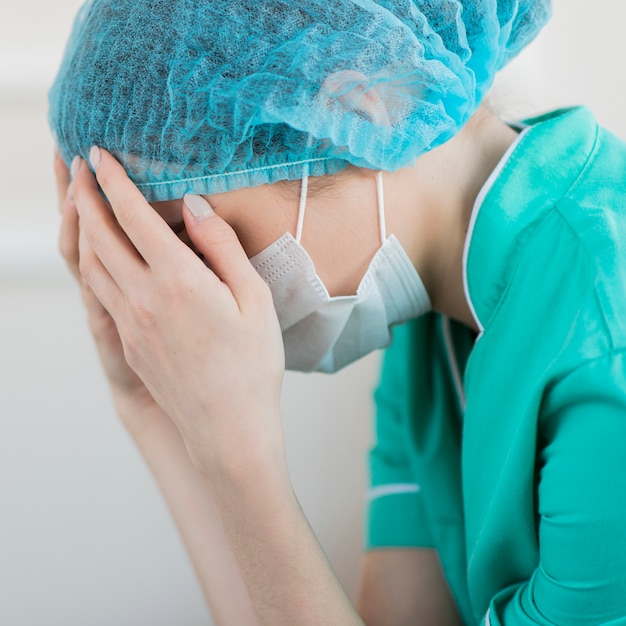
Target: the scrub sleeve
(417, 462)
(398, 516)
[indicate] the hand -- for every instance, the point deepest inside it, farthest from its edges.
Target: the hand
(205, 342)
(131, 397)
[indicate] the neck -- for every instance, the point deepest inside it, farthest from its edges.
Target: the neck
(441, 190)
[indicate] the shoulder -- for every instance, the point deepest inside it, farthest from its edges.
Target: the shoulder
(594, 210)
(550, 236)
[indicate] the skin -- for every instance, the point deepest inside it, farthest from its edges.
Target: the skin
(217, 429)
(160, 443)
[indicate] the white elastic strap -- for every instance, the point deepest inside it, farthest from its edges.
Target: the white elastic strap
(381, 207)
(303, 194)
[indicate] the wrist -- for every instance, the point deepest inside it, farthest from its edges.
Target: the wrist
(245, 458)
(137, 412)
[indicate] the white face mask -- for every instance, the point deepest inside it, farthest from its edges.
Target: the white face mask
(324, 333)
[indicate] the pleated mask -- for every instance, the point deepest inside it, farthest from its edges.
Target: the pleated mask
(325, 333)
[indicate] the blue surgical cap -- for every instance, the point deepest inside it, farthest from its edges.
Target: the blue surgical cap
(205, 96)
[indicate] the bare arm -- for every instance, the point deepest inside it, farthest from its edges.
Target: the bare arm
(287, 574)
(160, 443)
(405, 587)
(213, 360)
(200, 527)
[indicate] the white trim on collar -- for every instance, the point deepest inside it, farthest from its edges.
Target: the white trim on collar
(480, 198)
(488, 617)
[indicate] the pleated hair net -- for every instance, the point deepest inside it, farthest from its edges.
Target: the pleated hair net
(205, 96)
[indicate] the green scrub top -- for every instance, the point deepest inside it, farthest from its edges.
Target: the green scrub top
(506, 452)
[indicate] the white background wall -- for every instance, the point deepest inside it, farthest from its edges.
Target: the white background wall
(84, 537)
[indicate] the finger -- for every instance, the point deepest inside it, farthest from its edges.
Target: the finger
(106, 239)
(95, 310)
(68, 237)
(62, 177)
(97, 279)
(92, 304)
(148, 232)
(218, 243)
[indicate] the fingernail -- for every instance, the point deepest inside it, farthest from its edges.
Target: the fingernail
(75, 166)
(94, 157)
(198, 206)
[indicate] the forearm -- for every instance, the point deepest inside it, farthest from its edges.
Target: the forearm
(405, 587)
(194, 513)
(286, 572)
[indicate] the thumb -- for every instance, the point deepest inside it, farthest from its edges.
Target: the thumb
(215, 239)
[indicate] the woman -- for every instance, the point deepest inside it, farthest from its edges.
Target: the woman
(502, 402)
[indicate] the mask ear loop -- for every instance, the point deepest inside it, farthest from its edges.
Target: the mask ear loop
(303, 195)
(381, 207)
